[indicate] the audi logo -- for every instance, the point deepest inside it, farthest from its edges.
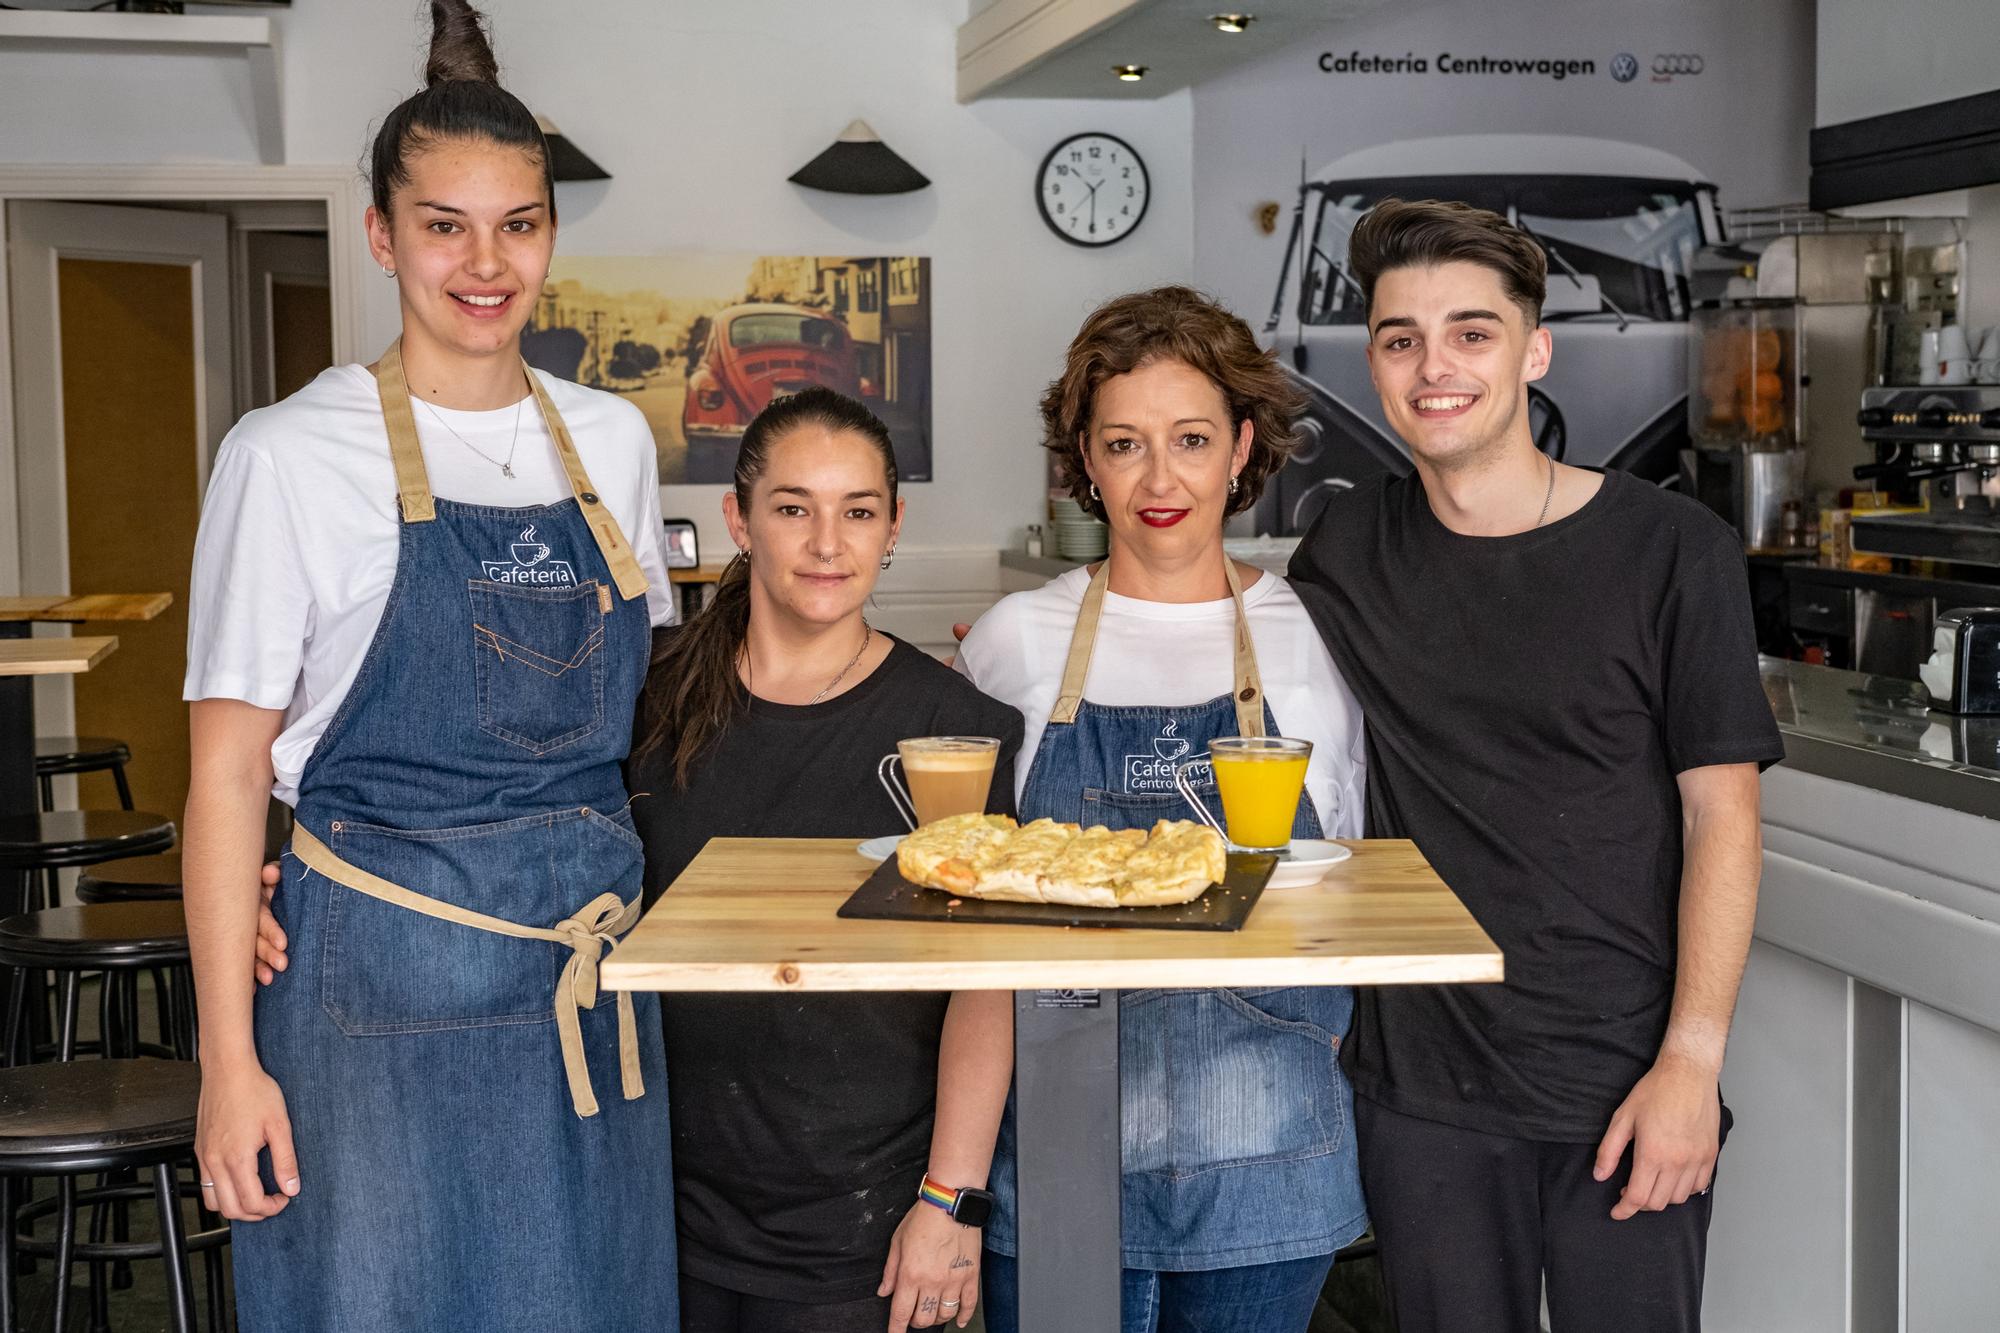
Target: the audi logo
(1677, 64)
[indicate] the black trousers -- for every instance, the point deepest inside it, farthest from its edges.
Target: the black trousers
(707, 1308)
(1470, 1224)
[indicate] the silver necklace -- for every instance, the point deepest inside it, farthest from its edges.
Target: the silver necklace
(1544, 517)
(867, 637)
(506, 468)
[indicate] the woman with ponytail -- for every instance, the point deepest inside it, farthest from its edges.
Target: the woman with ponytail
(804, 1125)
(423, 600)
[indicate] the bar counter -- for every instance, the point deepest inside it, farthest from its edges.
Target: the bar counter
(1860, 1187)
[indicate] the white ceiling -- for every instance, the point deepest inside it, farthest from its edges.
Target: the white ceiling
(1066, 48)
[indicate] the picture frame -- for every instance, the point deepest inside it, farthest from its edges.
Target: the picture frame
(682, 543)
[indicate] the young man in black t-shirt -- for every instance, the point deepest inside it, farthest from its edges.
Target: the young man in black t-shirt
(1560, 681)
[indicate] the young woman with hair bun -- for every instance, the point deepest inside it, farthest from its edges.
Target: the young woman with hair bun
(422, 610)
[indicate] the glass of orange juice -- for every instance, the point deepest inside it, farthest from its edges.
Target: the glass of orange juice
(1260, 779)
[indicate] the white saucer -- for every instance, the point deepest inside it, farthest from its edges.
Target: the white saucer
(1307, 862)
(881, 849)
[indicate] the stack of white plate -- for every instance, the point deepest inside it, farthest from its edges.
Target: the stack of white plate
(1078, 535)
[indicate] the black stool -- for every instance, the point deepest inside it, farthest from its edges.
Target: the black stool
(64, 1120)
(53, 839)
(132, 879)
(32, 846)
(120, 940)
(56, 755)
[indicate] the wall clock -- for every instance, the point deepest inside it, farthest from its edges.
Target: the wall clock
(1092, 189)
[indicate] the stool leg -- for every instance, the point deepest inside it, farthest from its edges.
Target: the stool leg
(65, 1243)
(100, 1295)
(163, 1000)
(124, 788)
(173, 1246)
(72, 985)
(9, 1321)
(17, 1016)
(48, 791)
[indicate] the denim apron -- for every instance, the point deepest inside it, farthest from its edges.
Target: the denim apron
(1235, 1118)
(481, 1144)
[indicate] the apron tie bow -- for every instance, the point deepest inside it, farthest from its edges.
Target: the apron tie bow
(587, 934)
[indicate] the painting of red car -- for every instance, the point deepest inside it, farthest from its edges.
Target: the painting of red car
(757, 353)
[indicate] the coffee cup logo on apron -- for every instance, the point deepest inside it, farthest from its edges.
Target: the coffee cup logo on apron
(1152, 773)
(530, 564)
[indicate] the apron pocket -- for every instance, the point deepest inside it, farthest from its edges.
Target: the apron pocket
(1211, 1080)
(387, 969)
(1116, 809)
(539, 661)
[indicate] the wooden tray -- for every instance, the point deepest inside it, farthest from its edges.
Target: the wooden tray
(887, 896)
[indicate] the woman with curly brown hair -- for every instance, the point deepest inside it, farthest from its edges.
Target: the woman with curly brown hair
(1239, 1177)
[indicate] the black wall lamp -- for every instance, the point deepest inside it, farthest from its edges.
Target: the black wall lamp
(860, 163)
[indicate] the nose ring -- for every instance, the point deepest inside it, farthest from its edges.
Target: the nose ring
(826, 560)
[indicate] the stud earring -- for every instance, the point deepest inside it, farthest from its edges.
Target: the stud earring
(388, 272)
(1093, 492)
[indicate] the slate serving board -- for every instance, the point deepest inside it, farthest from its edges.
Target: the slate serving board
(887, 896)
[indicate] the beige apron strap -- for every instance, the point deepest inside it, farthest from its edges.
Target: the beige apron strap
(587, 934)
(611, 543)
(1249, 682)
(1081, 641)
(413, 483)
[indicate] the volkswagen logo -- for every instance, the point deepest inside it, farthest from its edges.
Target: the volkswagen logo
(1624, 67)
(1677, 64)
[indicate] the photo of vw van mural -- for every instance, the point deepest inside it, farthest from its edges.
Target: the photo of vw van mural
(1621, 224)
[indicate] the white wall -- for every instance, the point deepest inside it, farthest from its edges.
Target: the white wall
(1875, 58)
(700, 111)
(1742, 121)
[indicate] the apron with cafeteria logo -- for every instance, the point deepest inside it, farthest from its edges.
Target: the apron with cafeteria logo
(1237, 1140)
(482, 1136)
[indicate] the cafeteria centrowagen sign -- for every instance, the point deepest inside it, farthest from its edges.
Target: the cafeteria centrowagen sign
(1517, 66)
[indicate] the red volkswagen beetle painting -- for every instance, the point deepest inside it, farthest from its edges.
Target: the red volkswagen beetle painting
(757, 353)
(701, 343)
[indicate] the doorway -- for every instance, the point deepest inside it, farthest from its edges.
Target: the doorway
(139, 334)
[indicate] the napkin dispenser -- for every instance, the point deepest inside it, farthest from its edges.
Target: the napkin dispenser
(1963, 673)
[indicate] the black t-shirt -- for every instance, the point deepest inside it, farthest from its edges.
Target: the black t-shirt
(802, 1123)
(1529, 701)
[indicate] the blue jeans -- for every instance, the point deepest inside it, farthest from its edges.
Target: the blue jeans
(1262, 1298)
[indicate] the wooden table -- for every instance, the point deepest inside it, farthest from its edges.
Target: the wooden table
(693, 582)
(67, 610)
(21, 660)
(22, 657)
(759, 915)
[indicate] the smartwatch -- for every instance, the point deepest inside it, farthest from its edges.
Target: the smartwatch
(967, 1207)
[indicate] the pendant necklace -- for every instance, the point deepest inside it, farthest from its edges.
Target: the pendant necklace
(506, 468)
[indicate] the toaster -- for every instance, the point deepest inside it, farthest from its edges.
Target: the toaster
(1963, 673)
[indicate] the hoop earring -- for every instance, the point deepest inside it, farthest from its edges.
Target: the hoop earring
(388, 272)
(1093, 493)
(888, 557)
(1235, 485)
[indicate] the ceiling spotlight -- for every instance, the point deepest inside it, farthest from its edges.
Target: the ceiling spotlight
(1129, 73)
(1232, 22)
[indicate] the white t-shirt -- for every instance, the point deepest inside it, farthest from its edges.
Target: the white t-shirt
(299, 533)
(1171, 654)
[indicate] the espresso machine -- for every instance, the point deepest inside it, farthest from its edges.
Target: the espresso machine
(1938, 445)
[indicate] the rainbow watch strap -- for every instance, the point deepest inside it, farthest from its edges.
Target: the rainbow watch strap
(937, 1195)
